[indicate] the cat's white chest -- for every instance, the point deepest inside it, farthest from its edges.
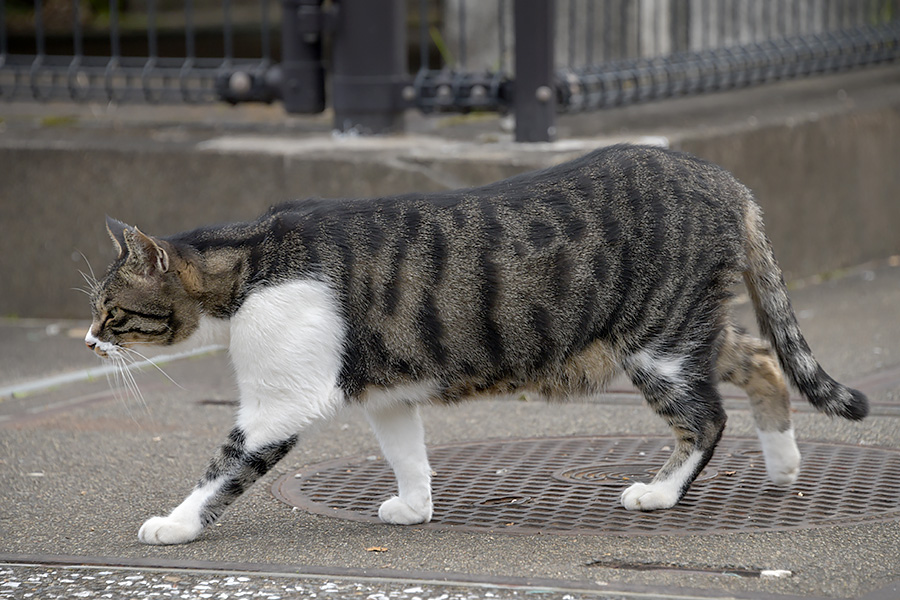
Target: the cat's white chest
(286, 347)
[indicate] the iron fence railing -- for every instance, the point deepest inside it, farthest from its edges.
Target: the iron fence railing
(65, 50)
(577, 54)
(635, 80)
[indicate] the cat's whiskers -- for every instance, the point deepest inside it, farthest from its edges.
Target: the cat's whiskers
(83, 291)
(131, 351)
(132, 384)
(126, 364)
(92, 278)
(114, 379)
(122, 382)
(88, 263)
(93, 284)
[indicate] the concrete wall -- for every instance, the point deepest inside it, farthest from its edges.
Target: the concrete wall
(53, 201)
(828, 180)
(830, 188)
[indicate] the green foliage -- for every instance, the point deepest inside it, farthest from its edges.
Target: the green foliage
(59, 121)
(102, 7)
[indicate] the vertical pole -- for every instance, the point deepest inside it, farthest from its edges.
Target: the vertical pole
(152, 54)
(3, 33)
(189, 51)
(535, 90)
(369, 66)
(227, 33)
(424, 50)
(72, 78)
(115, 43)
(264, 34)
(40, 48)
(303, 77)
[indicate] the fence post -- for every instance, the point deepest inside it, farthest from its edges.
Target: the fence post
(535, 91)
(369, 66)
(302, 73)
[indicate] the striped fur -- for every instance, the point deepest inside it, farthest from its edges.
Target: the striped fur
(549, 282)
(778, 323)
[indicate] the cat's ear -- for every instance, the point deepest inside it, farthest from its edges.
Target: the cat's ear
(145, 255)
(116, 230)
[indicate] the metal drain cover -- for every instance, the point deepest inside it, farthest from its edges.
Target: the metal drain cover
(571, 485)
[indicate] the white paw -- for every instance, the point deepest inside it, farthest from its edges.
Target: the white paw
(782, 469)
(782, 456)
(166, 530)
(397, 512)
(649, 496)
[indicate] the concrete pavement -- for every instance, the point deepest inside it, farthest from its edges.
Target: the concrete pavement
(82, 465)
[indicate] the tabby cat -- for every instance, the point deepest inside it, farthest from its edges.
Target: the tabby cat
(549, 282)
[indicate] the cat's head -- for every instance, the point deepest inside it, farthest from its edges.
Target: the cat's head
(142, 299)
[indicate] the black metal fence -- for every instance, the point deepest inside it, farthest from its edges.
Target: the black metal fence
(117, 51)
(533, 57)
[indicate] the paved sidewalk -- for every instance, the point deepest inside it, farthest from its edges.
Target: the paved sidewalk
(82, 465)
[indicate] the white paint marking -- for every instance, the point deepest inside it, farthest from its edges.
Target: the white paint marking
(20, 390)
(775, 573)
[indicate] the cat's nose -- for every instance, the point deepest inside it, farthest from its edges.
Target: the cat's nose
(90, 340)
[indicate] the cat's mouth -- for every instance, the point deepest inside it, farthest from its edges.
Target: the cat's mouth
(103, 352)
(100, 348)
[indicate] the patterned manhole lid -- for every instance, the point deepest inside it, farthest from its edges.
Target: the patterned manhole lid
(571, 485)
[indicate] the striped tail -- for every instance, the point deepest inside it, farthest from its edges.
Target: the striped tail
(778, 324)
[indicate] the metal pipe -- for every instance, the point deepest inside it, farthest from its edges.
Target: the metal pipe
(535, 87)
(227, 34)
(40, 48)
(424, 49)
(370, 71)
(152, 53)
(265, 35)
(73, 76)
(302, 74)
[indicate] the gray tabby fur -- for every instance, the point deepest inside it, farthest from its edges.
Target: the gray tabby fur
(549, 282)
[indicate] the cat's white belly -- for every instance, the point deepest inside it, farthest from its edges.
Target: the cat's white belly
(420, 392)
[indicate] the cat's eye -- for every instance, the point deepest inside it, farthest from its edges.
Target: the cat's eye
(112, 313)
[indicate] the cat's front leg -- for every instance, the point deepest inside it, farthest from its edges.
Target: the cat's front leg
(285, 344)
(402, 438)
(234, 468)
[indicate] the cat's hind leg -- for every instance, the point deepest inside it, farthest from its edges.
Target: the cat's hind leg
(399, 431)
(750, 364)
(678, 388)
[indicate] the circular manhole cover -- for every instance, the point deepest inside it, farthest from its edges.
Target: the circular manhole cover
(571, 486)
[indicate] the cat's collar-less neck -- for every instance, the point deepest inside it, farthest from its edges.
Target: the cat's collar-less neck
(215, 278)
